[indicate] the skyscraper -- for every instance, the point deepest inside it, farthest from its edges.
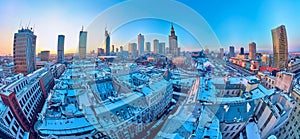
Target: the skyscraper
(60, 48)
(113, 48)
(141, 42)
(107, 43)
(162, 48)
(148, 47)
(242, 51)
(24, 51)
(121, 49)
(252, 50)
(173, 44)
(82, 44)
(155, 46)
(221, 52)
(231, 51)
(280, 47)
(132, 49)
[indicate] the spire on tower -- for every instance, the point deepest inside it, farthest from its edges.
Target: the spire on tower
(172, 30)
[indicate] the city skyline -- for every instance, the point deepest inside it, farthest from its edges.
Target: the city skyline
(253, 22)
(149, 69)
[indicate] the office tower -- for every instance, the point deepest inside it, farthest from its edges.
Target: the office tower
(132, 49)
(60, 49)
(280, 47)
(45, 55)
(231, 51)
(107, 43)
(141, 46)
(148, 47)
(155, 46)
(117, 50)
(82, 44)
(242, 51)
(113, 48)
(252, 50)
(121, 49)
(221, 52)
(24, 51)
(173, 44)
(162, 48)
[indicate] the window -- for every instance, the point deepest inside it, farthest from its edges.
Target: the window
(7, 120)
(10, 115)
(14, 129)
(226, 128)
(232, 128)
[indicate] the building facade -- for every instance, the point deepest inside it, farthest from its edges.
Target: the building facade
(242, 51)
(252, 51)
(173, 44)
(132, 50)
(291, 129)
(221, 53)
(82, 44)
(148, 47)
(24, 51)
(21, 101)
(60, 49)
(155, 46)
(162, 48)
(141, 46)
(107, 43)
(231, 51)
(45, 55)
(280, 47)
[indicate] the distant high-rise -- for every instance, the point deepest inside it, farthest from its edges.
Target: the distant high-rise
(252, 50)
(121, 49)
(60, 48)
(280, 47)
(155, 46)
(82, 44)
(242, 51)
(162, 48)
(221, 52)
(107, 43)
(173, 44)
(231, 51)
(132, 49)
(113, 48)
(45, 55)
(24, 51)
(141, 46)
(148, 47)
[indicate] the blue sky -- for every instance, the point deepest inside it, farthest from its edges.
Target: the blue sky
(234, 22)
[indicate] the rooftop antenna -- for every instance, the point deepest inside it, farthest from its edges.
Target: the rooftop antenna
(29, 23)
(20, 26)
(82, 28)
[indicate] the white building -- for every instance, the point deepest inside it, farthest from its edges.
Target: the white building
(21, 101)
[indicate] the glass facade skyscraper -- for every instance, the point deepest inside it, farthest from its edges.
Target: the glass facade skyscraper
(82, 44)
(60, 48)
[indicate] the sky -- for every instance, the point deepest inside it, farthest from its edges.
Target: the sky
(234, 22)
